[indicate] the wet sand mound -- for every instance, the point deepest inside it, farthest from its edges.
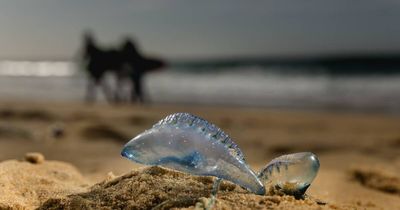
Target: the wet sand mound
(378, 180)
(159, 188)
(27, 184)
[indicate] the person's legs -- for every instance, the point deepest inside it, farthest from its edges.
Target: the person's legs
(118, 95)
(123, 80)
(137, 92)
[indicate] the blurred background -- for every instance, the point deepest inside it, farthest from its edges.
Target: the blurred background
(78, 79)
(308, 55)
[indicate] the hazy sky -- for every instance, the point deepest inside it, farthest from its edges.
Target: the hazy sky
(201, 28)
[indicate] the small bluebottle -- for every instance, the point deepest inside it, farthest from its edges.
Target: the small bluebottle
(188, 143)
(291, 174)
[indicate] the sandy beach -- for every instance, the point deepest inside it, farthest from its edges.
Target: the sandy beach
(82, 167)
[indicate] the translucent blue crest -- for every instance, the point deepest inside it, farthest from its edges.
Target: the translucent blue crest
(190, 144)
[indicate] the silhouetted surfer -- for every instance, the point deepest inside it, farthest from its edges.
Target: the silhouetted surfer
(140, 65)
(136, 75)
(96, 66)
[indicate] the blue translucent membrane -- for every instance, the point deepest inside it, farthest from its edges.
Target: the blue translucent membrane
(291, 173)
(190, 144)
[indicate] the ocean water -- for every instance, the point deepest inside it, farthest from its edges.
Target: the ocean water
(243, 85)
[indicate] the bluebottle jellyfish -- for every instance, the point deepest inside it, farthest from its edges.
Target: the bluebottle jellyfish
(291, 174)
(188, 143)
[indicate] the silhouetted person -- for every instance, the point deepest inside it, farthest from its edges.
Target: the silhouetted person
(96, 66)
(140, 65)
(136, 62)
